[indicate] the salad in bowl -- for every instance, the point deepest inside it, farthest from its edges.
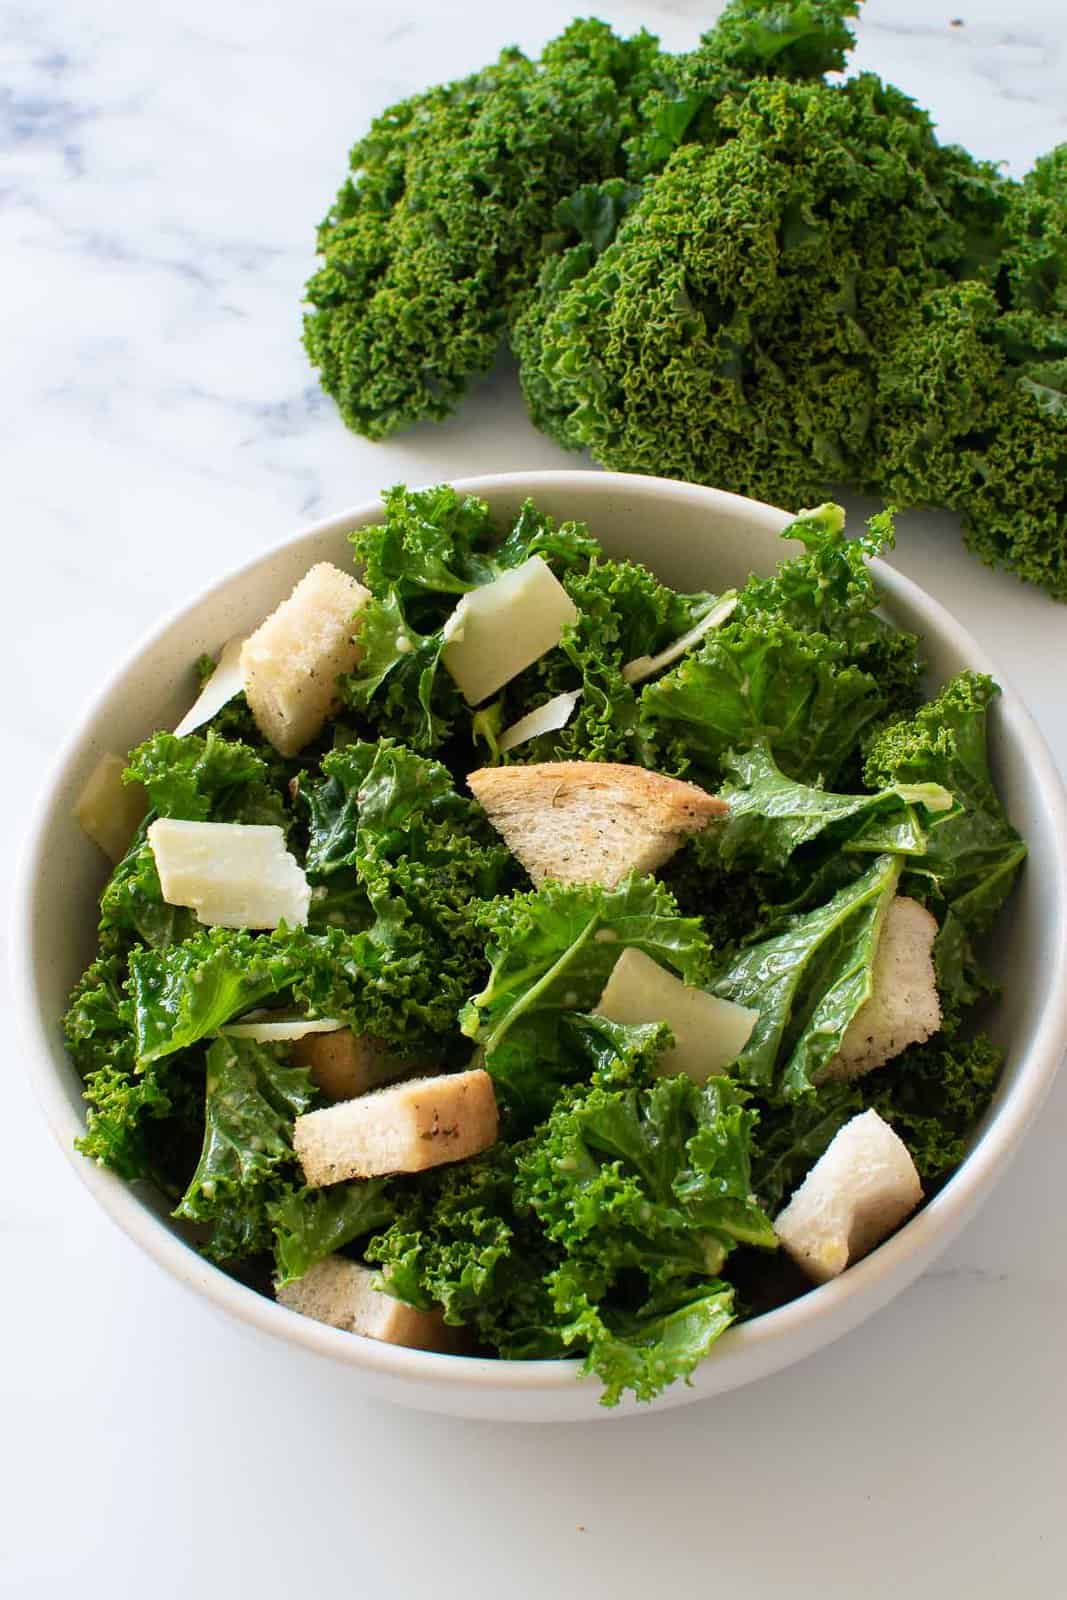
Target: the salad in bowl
(510, 955)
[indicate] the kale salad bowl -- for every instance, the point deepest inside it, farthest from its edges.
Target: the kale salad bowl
(678, 1050)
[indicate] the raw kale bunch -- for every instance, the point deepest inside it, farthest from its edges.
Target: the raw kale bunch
(447, 213)
(623, 1217)
(717, 266)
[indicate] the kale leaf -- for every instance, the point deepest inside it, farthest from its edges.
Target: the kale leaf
(551, 952)
(251, 1099)
(973, 853)
(808, 982)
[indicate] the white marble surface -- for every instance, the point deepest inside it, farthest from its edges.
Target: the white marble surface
(163, 166)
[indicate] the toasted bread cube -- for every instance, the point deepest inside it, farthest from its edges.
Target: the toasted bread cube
(709, 1033)
(423, 1123)
(344, 1064)
(591, 821)
(342, 1293)
(111, 811)
(903, 1007)
(291, 663)
(860, 1189)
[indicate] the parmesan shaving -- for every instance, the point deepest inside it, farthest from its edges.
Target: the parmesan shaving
(643, 667)
(505, 626)
(232, 874)
(265, 1030)
(224, 684)
(549, 718)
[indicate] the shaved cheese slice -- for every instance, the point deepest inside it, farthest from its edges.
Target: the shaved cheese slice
(109, 810)
(277, 1030)
(709, 1033)
(643, 667)
(232, 874)
(549, 718)
(225, 682)
(503, 627)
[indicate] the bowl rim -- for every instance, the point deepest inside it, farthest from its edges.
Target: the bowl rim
(867, 1285)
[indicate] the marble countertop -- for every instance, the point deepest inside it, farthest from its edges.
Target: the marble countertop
(162, 169)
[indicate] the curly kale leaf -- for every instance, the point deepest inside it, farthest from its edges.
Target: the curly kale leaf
(973, 853)
(251, 1099)
(808, 982)
(551, 953)
(771, 817)
(433, 547)
(623, 612)
(829, 589)
(643, 1350)
(934, 1095)
(141, 1124)
(654, 1179)
(311, 1224)
(750, 39)
(443, 220)
(759, 681)
(730, 334)
(415, 860)
(180, 994)
(437, 543)
(200, 780)
(645, 1187)
(459, 1241)
(971, 415)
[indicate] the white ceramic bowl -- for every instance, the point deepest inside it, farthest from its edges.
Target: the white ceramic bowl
(693, 538)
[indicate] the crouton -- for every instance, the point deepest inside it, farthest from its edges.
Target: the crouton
(903, 1007)
(342, 1293)
(344, 1064)
(423, 1123)
(109, 810)
(291, 664)
(709, 1033)
(591, 821)
(860, 1189)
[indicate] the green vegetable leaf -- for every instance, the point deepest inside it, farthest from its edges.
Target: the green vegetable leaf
(830, 590)
(202, 780)
(310, 1224)
(771, 816)
(760, 681)
(934, 1095)
(551, 952)
(397, 684)
(973, 853)
(808, 982)
(593, 212)
(252, 1097)
(182, 993)
(646, 1352)
(459, 1242)
(653, 1178)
